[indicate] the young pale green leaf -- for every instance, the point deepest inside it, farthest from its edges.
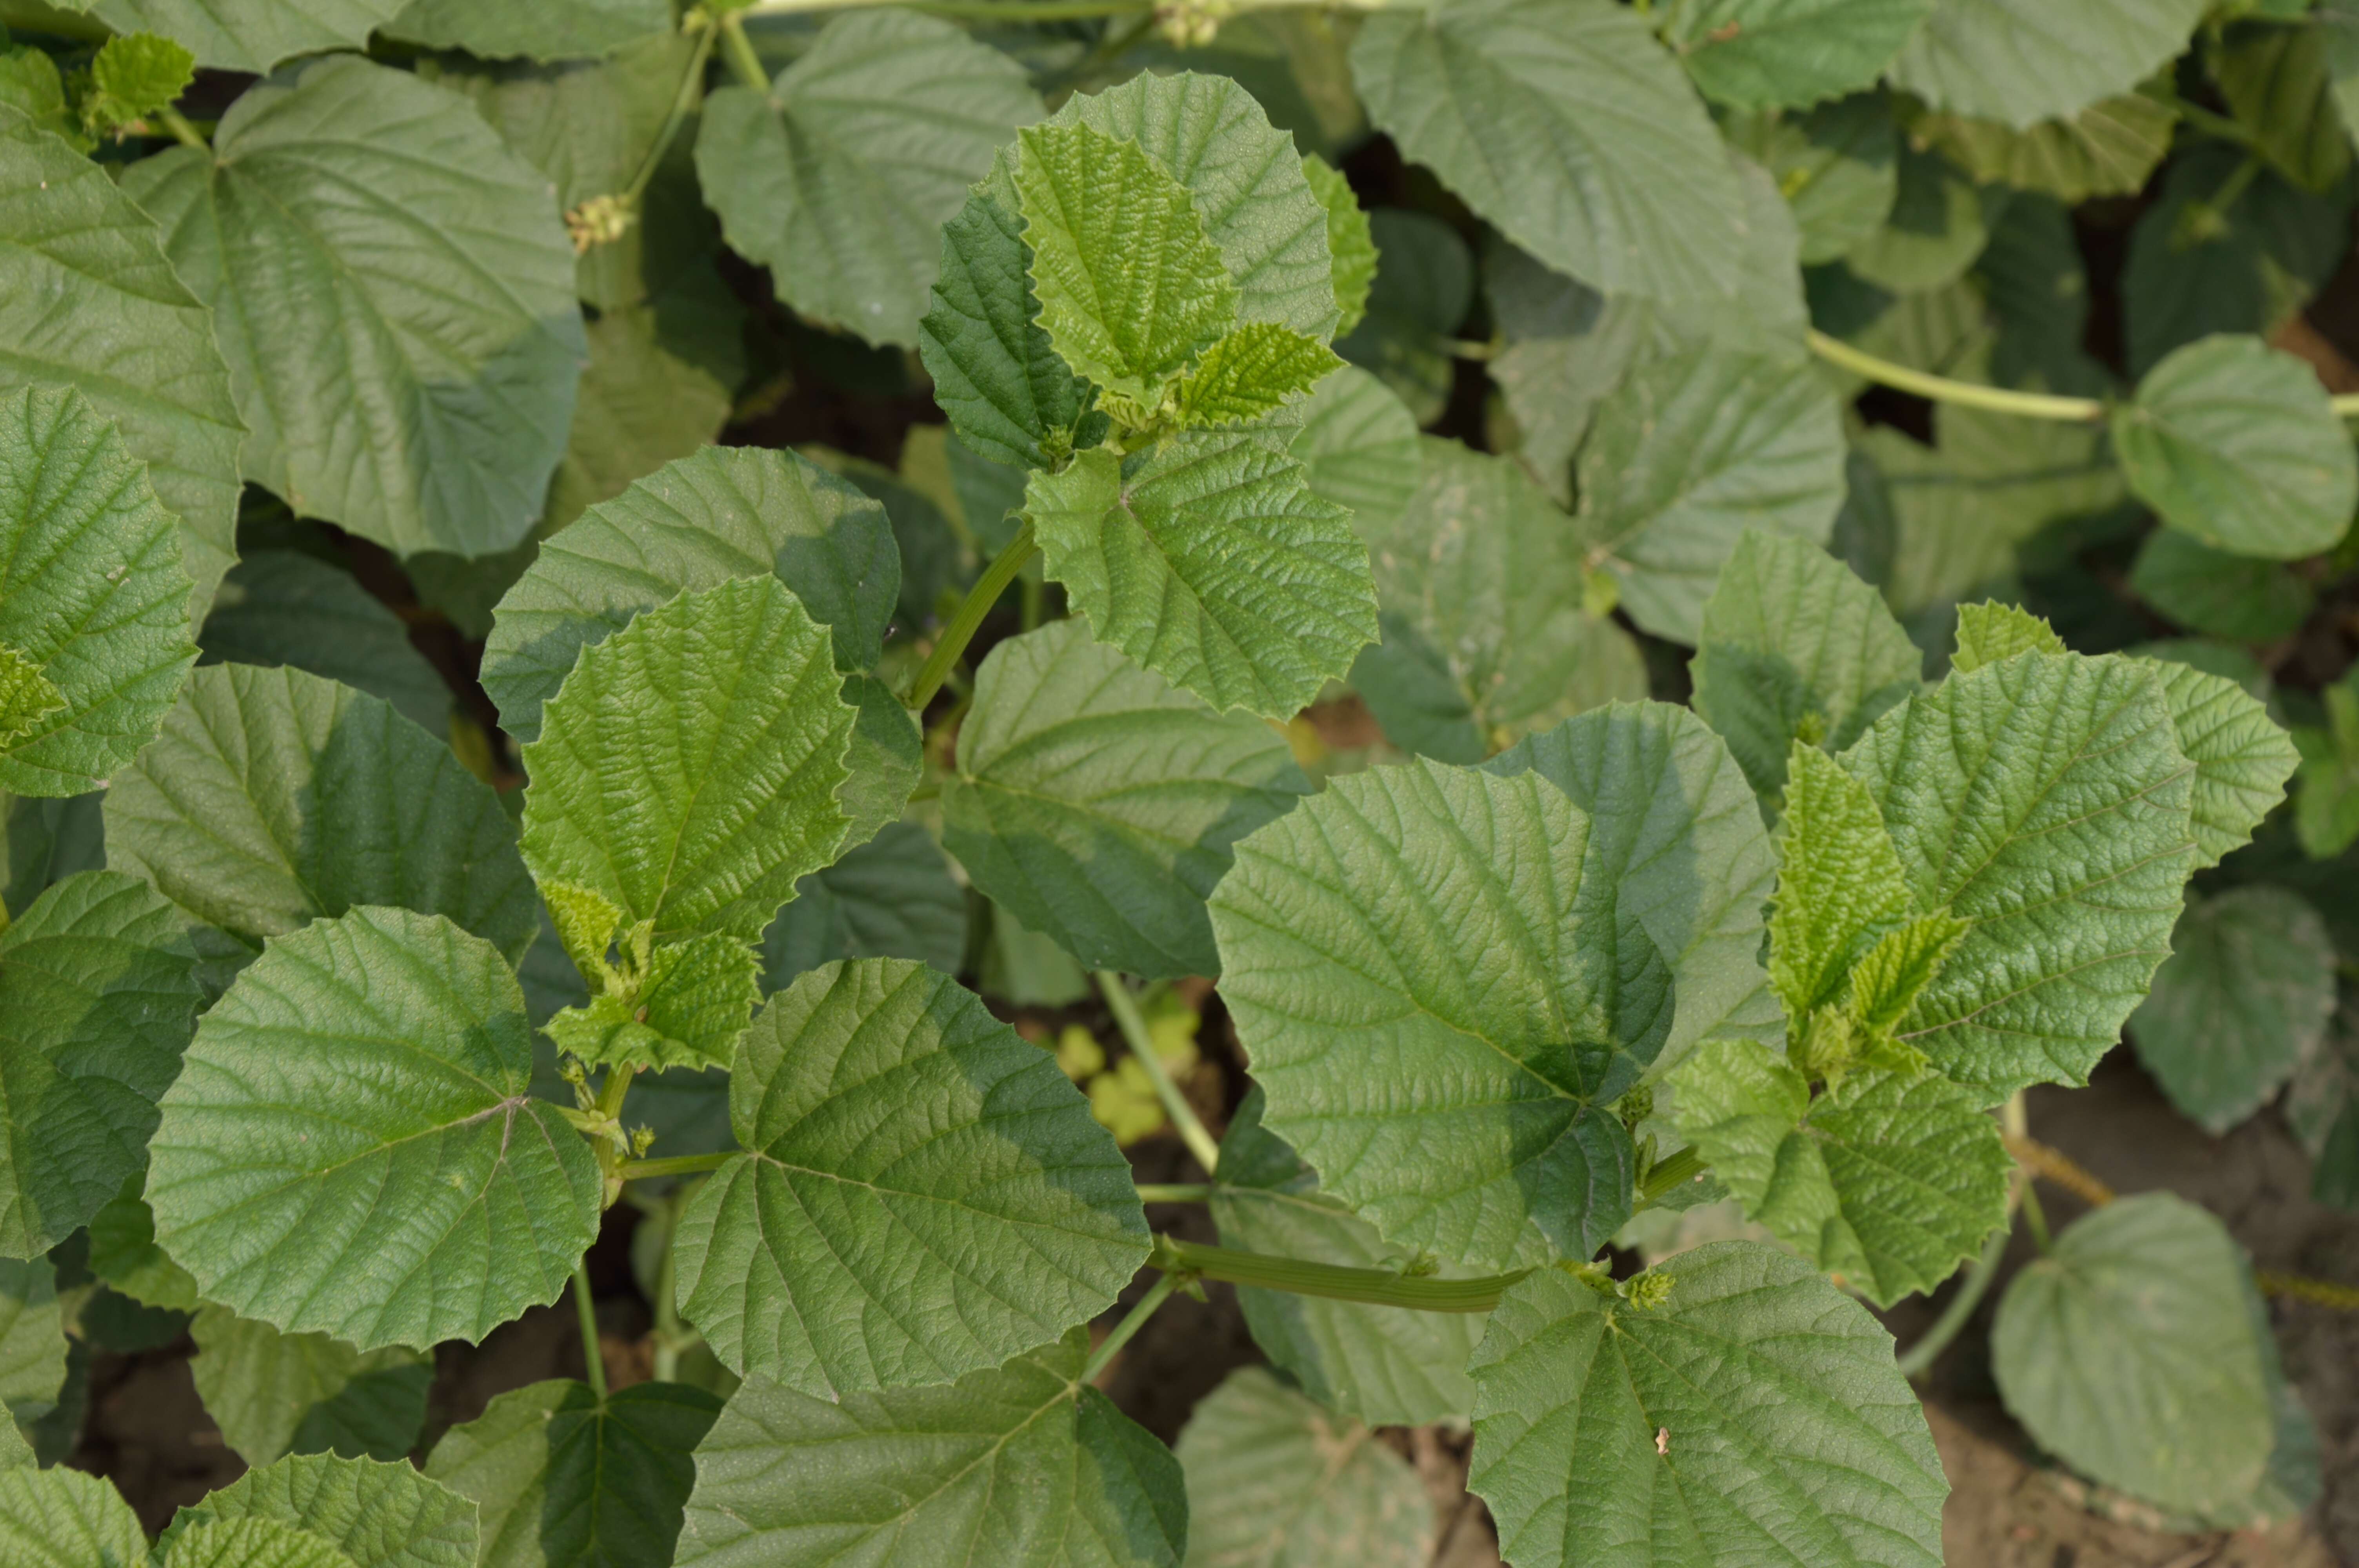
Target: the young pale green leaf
(1990, 632)
(2245, 996)
(687, 1011)
(284, 606)
(1099, 802)
(2066, 777)
(2128, 1352)
(1385, 1366)
(350, 1150)
(1755, 1415)
(273, 797)
(840, 177)
(1351, 244)
(67, 1518)
(84, 285)
(1254, 371)
(271, 1393)
(380, 1514)
(892, 898)
(252, 1544)
(2242, 759)
(27, 696)
(1686, 455)
(1019, 1465)
(97, 996)
(702, 823)
(249, 35)
(530, 30)
(2110, 148)
(565, 1478)
(1837, 168)
(1791, 639)
(922, 1193)
(1358, 448)
(1296, 1487)
(1210, 561)
(1441, 1002)
(2220, 594)
(1772, 54)
(135, 74)
(1840, 885)
(420, 418)
(2021, 62)
(2237, 444)
(1566, 125)
(1894, 972)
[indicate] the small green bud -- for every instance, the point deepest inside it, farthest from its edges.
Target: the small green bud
(1647, 1291)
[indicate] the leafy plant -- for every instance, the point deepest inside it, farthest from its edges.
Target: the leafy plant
(452, 800)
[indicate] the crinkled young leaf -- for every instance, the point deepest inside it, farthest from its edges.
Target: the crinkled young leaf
(1990, 632)
(1256, 370)
(97, 998)
(840, 178)
(2128, 1352)
(2021, 62)
(1350, 243)
(1440, 1005)
(249, 35)
(2242, 759)
(136, 74)
(1766, 54)
(67, 1518)
(1210, 561)
(1295, 1486)
(1099, 802)
(565, 1478)
(701, 822)
(2110, 148)
(88, 300)
(1358, 448)
(2219, 594)
(1840, 885)
(1019, 1465)
(1836, 167)
(252, 1543)
(687, 1009)
(406, 365)
(1566, 125)
(350, 1149)
(28, 696)
(1754, 1416)
(534, 29)
(380, 1514)
(271, 1392)
(922, 1193)
(284, 606)
(2245, 996)
(2237, 444)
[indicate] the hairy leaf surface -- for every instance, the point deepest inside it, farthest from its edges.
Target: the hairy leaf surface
(380, 1514)
(67, 1518)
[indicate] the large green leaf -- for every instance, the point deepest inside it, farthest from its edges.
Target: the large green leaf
(33, 1348)
(1358, 448)
(727, 512)
(2128, 1352)
(1440, 1006)
(1768, 54)
(88, 300)
(1385, 1366)
(2110, 148)
(1209, 560)
(704, 822)
(407, 364)
(2279, 84)
(2238, 444)
(350, 1150)
(567, 1481)
(380, 1515)
(1836, 168)
(2021, 62)
(273, 797)
(894, 897)
(1019, 1466)
(249, 35)
(271, 1392)
(2245, 996)
(2242, 759)
(2065, 776)
(1755, 1415)
(537, 29)
(67, 1518)
(1567, 347)
(251, 1544)
(1292, 1486)
(922, 1193)
(97, 998)
(2219, 594)
(1565, 124)
(1099, 802)
(1423, 288)
(840, 177)
(284, 606)
(1686, 454)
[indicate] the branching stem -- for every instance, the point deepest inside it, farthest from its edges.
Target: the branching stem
(1379, 1287)
(1131, 1322)
(1127, 1018)
(968, 619)
(1965, 393)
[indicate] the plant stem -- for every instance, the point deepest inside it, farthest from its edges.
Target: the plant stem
(2036, 1218)
(1127, 1019)
(968, 621)
(593, 1361)
(671, 1337)
(611, 1093)
(1965, 393)
(677, 1166)
(1935, 1339)
(1175, 1192)
(692, 81)
(1379, 1287)
(2212, 124)
(1670, 1171)
(1133, 1321)
(187, 135)
(740, 50)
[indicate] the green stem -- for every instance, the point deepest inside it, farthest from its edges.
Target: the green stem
(692, 81)
(593, 1363)
(187, 135)
(2212, 124)
(1946, 1327)
(610, 1092)
(1379, 1287)
(1670, 1171)
(2036, 1218)
(677, 1166)
(1175, 1192)
(671, 1337)
(1941, 389)
(968, 621)
(740, 50)
(1127, 1019)
(1133, 1321)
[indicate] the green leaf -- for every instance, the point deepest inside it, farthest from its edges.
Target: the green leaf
(1890, 1179)
(2128, 1353)
(2020, 61)
(97, 998)
(2242, 759)
(1836, 167)
(84, 284)
(252, 1544)
(1937, 227)
(1754, 1416)
(1254, 370)
(2245, 996)
(893, 897)
(16, 1454)
(1351, 244)
(2218, 593)
(840, 178)
(1385, 1366)
(1770, 54)
(1566, 125)
(922, 1193)
(1295, 1486)
(1686, 454)
(31, 84)
(2279, 84)
(123, 1253)
(284, 606)
(2065, 775)
(44, 842)
(67, 1518)
(1423, 288)
(1099, 802)
(1568, 346)
(564, 1477)
(33, 1348)
(687, 1011)
(1210, 561)
(350, 1150)
(249, 35)
(1840, 885)
(1441, 1005)
(2339, 20)
(137, 73)
(2238, 445)
(534, 29)
(421, 418)
(381, 1515)
(1990, 632)
(273, 797)
(724, 513)
(1790, 639)
(271, 1392)
(2109, 148)
(1019, 1465)
(1358, 448)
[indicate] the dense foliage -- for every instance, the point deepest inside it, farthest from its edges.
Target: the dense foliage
(751, 793)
